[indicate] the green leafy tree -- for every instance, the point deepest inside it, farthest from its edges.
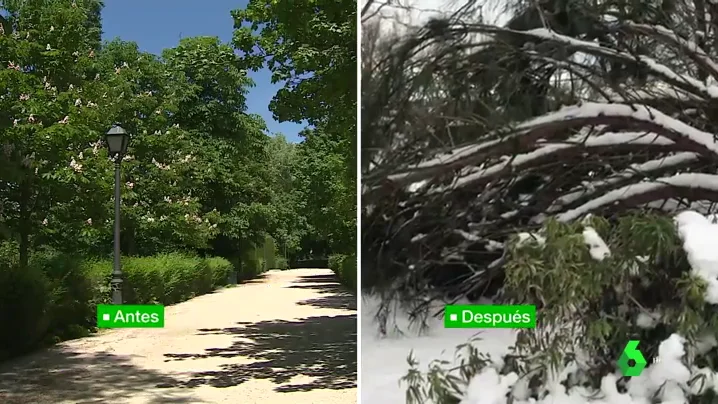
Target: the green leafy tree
(63, 93)
(231, 145)
(330, 206)
(201, 175)
(310, 48)
(162, 172)
(45, 47)
(290, 225)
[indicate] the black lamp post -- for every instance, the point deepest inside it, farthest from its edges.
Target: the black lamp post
(117, 140)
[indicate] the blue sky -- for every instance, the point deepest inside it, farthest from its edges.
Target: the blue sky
(159, 24)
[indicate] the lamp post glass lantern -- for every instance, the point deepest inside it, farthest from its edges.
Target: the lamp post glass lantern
(117, 141)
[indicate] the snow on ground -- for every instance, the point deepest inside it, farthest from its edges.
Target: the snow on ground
(384, 363)
(384, 359)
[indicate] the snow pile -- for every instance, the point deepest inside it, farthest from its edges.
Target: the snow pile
(477, 393)
(648, 320)
(525, 238)
(700, 242)
(667, 378)
(596, 246)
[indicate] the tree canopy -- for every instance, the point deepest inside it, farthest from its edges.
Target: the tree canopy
(310, 49)
(201, 172)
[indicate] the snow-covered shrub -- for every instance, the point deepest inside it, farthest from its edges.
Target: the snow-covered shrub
(488, 146)
(598, 284)
(481, 131)
(444, 382)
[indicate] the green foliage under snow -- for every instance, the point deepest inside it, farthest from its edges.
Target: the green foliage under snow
(590, 305)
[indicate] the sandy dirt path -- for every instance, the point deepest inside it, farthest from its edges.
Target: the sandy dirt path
(289, 337)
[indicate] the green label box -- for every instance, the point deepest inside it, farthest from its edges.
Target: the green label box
(130, 316)
(489, 316)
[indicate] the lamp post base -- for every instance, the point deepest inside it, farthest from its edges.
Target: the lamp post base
(116, 287)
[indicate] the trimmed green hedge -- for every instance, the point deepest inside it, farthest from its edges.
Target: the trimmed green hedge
(220, 269)
(348, 273)
(335, 262)
(249, 264)
(281, 263)
(25, 297)
(167, 278)
(269, 252)
(55, 298)
(345, 266)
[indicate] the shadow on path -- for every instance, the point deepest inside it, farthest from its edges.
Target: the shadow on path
(321, 347)
(320, 351)
(317, 279)
(61, 374)
(261, 278)
(332, 294)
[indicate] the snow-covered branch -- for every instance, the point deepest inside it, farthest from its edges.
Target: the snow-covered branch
(635, 170)
(625, 141)
(690, 48)
(691, 185)
(551, 125)
(683, 81)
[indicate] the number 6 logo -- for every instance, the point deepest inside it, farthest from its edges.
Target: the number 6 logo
(631, 352)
